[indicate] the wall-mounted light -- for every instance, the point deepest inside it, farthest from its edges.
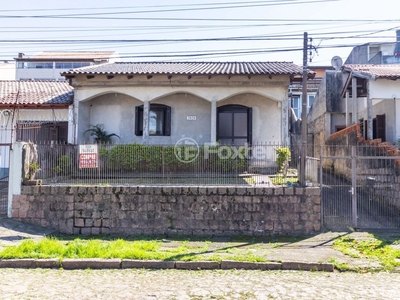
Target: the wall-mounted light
(6, 112)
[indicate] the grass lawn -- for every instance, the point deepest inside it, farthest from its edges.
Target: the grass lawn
(239, 249)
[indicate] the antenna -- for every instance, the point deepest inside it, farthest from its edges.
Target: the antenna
(336, 62)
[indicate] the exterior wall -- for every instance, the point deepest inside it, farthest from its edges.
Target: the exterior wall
(384, 89)
(115, 111)
(186, 97)
(45, 74)
(359, 55)
(176, 210)
(7, 71)
(328, 109)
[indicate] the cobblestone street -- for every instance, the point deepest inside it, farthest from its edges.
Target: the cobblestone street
(177, 284)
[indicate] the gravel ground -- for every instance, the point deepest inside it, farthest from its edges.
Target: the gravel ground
(178, 284)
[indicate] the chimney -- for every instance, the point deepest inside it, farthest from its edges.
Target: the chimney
(21, 55)
(397, 46)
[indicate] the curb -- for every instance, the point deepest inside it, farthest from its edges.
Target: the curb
(98, 263)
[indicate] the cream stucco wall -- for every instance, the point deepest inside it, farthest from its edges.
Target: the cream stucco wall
(111, 101)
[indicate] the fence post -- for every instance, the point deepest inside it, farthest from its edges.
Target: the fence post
(15, 175)
(354, 186)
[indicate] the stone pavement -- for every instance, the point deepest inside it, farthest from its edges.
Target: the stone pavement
(311, 250)
(142, 284)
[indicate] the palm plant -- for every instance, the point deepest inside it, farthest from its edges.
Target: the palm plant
(101, 136)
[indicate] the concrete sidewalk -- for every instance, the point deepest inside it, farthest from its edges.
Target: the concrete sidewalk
(289, 250)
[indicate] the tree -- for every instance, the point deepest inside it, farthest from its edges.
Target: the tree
(101, 136)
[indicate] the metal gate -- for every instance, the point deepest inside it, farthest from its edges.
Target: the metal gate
(360, 187)
(4, 171)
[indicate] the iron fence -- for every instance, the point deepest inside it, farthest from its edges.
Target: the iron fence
(360, 186)
(130, 164)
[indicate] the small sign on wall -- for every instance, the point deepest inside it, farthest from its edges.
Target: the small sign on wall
(88, 156)
(191, 118)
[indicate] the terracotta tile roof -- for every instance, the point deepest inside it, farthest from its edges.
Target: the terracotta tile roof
(59, 55)
(192, 68)
(35, 92)
(375, 71)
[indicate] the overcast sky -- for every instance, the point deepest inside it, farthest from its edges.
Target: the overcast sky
(197, 30)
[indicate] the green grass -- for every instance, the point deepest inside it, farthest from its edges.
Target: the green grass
(125, 249)
(279, 180)
(374, 249)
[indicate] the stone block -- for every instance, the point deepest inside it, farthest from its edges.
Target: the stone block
(79, 222)
(230, 264)
(197, 265)
(17, 263)
(305, 266)
(50, 263)
(86, 231)
(289, 191)
(90, 263)
(147, 264)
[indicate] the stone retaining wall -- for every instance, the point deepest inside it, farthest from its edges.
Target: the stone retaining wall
(171, 210)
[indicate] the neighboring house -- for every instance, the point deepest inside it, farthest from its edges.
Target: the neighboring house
(39, 111)
(7, 70)
(296, 89)
(160, 103)
(48, 65)
(364, 94)
(328, 112)
(377, 106)
(376, 53)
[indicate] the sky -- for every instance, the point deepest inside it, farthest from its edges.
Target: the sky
(197, 30)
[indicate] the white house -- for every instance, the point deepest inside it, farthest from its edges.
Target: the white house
(39, 111)
(160, 103)
(48, 65)
(374, 93)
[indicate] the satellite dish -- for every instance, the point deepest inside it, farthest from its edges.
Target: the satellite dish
(336, 62)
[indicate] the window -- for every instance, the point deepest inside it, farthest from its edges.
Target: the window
(297, 104)
(310, 102)
(159, 120)
(39, 65)
(71, 65)
(234, 125)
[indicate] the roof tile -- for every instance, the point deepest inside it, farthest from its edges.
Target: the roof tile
(379, 71)
(35, 92)
(191, 68)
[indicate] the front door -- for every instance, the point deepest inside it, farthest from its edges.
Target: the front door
(234, 125)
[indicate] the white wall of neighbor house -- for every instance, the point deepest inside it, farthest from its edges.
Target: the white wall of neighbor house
(113, 104)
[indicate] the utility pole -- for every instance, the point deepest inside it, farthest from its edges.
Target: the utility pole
(304, 114)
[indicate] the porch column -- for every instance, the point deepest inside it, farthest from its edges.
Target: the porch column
(354, 98)
(369, 114)
(285, 121)
(213, 121)
(146, 109)
(72, 133)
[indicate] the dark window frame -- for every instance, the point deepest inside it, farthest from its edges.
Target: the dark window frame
(165, 109)
(236, 108)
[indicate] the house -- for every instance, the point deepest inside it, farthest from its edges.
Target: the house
(209, 102)
(48, 65)
(364, 94)
(39, 111)
(376, 53)
(375, 94)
